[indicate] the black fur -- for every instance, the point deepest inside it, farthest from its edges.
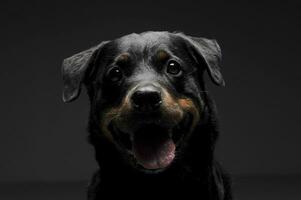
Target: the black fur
(194, 173)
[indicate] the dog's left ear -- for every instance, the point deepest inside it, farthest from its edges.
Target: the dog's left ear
(74, 71)
(208, 51)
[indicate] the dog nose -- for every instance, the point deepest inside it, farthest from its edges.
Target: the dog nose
(146, 98)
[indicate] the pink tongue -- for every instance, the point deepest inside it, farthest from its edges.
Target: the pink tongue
(154, 153)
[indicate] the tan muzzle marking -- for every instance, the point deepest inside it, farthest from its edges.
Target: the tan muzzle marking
(172, 109)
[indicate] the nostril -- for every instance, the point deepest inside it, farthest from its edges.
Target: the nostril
(146, 100)
(137, 98)
(154, 98)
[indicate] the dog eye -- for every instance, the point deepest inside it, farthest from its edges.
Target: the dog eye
(115, 74)
(173, 68)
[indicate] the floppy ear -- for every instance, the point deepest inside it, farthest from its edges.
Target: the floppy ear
(74, 69)
(207, 51)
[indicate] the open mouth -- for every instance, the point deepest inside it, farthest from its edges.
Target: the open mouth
(152, 145)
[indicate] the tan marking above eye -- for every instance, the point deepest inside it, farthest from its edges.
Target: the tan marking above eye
(162, 55)
(123, 58)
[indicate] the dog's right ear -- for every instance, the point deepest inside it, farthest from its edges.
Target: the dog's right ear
(207, 51)
(74, 69)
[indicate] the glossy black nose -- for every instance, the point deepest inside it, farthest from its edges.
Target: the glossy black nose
(146, 98)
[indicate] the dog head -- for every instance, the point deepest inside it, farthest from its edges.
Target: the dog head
(145, 91)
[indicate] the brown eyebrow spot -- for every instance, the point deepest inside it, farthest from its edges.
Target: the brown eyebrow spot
(123, 58)
(162, 55)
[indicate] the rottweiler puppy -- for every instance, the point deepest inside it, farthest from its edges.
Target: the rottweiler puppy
(152, 122)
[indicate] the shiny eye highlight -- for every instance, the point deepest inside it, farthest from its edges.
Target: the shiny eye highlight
(115, 74)
(173, 68)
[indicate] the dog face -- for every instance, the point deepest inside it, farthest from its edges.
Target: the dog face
(145, 92)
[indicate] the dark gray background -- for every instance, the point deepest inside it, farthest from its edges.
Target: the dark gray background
(43, 139)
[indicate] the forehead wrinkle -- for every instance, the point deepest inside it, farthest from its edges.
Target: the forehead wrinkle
(143, 48)
(142, 43)
(130, 42)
